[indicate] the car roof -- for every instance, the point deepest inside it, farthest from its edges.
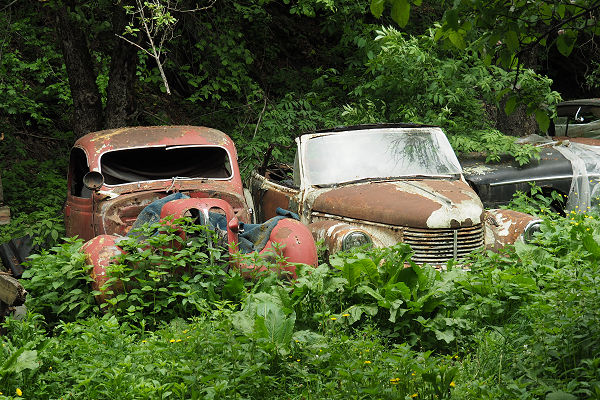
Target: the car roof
(147, 136)
(372, 126)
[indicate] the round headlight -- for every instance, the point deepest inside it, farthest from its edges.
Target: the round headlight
(355, 239)
(531, 228)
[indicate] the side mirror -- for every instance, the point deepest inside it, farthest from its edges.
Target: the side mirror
(93, 180)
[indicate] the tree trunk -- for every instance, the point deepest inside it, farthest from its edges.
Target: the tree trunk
(87, 106)
(120, 102)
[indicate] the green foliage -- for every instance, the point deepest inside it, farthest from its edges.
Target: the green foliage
(521, 323)
(162, 276)
(35, 192)
(538, 202)
(58, 282)
(34, 91)
(414, 79)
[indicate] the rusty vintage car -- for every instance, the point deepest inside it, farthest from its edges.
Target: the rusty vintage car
(116, 175)
(384, 184)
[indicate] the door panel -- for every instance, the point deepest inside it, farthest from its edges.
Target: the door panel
(268, 195)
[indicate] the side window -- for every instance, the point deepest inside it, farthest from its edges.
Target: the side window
(78, 167)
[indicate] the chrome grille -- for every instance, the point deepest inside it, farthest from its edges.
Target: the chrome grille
(436, 246)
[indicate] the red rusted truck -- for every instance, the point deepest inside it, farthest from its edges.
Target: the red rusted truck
(116, 175)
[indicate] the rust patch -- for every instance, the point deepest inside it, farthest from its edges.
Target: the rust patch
(377, 202)
(283, 233)
(504, 227)
(459, 191)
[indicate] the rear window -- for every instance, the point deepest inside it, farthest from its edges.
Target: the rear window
(161, 163)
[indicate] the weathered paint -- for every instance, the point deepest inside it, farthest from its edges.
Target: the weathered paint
(269, 195)
(100, 252)
(417, 203)
(504, 227)
(178, 209)
(440, 218)
(112, 209)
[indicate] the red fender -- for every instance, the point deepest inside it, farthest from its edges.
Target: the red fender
(178, 208)
(292, 240)
(100, 252)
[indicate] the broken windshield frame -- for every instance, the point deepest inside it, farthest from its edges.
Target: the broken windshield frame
(165, 163)
(379, 154)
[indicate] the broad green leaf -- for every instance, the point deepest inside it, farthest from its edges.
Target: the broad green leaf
(396, 311)
(512, 40)
(542, 119)
(451, 18)
(377, 7)
(457, 39)
(510, 105)
(447, 335)
(591, 245)
(560, 396)
(401, 12)
(417, 2)
(357, 311)
(566, 42)
(370, 291)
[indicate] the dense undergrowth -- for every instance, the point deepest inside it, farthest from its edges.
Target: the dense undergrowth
(520, 324)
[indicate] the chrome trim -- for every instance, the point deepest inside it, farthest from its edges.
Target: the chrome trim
(547, 178)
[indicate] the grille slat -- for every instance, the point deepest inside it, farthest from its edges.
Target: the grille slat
(436, 246)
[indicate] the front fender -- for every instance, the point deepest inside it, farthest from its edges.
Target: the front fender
(333, 232)
(290, 241)
(504, 227)
(99, 253)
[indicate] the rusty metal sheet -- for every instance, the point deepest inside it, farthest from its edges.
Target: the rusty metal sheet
(504, 227)
(416, 203)
(96, 143)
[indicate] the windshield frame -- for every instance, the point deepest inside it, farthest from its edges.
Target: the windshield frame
(176, 178)
(302, 143)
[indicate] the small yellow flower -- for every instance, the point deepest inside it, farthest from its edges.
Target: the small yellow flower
(413, 374)
(394, 381)
(50, 368)
(172, 340)
(333, 318)
(452, 384)
(144, 341)
(185, 331)
(414, 395)
(367, 362)
(19, 392)
(298, 360)
(345, 315)
(178, 340)
(297, 341)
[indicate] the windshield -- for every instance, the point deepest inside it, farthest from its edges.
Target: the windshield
(379, 154)
(161, 163)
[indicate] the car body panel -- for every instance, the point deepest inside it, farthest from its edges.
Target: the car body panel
(440, 217)
(112, 208)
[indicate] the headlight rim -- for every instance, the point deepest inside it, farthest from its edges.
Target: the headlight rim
(346, 246)
(530, 229)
